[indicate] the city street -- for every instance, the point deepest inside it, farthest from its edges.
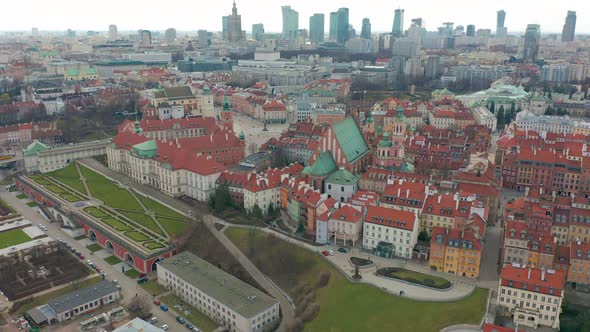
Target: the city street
(129, 287)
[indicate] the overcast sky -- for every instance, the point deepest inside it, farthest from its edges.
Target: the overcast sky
(206, 14)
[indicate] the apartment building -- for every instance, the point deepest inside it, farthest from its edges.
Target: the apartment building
(579, 270)
(230, 302)
(390, 232)
(533, 296)
(456, 251)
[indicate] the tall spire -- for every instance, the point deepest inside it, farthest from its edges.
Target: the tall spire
(234, 9)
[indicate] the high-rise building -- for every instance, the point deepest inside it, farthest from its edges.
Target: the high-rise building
(35, 32)
(232, 26)
(113, 34)
(70, 33)
(418, 22)
(569, 28)
(366, 29)
(316, 28)
(432, 66)
(170, 35)
(398, 23)
(290, 22)
(470, 32)
(339, 26)
(203, 38)
(532, 37)
(500, 20)
(258, 32)
(333, 25)
(145, 37)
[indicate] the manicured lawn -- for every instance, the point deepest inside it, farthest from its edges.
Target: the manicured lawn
(153, 287)
(8, 207)
(94, 247)
(136, 236)
(108, 192)
(71, 198)
(112, 260)
(21, 196)
(173, 227)
(142, 219)
(152, 245)
(32, 204)
(81, 237)
(118, 225)
(415, 277)
(14, 237)
(69, 176)
(196, 318)
(159, 209)
(96, 212)
(347, 306)
(42, 299)
(131, 273)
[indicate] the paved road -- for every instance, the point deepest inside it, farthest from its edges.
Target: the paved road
(129, 287)
(488, 273)
(266, 283)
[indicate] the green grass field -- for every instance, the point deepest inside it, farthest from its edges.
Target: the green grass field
(142, 219)
(42, 299)
(112, 260)
(69, 176)
(21, 196)
(174, 227)
(95, 212)
(413, 276)
(153, 287)
(32, 204)
(159, 209)
(131, 273)
(14, 237)
(196, 317)
(136, 236)
(94, 247)
(347, 306)
(119, 226)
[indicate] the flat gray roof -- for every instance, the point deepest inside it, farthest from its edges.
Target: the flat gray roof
(218, 284)
(82, 296)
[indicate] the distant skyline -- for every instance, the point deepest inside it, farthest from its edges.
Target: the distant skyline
(185, 15)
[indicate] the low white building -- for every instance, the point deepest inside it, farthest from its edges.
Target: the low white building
(544, 123)
(484, 117)
(533, 296)
(346, 224)
(395, 232)
(42, 158)
(227, 300)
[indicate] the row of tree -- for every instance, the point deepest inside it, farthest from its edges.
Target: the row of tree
(504, 116)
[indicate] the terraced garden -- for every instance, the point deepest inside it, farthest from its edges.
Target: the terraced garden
(137, 217)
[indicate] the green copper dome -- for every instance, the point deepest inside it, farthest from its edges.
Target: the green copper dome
(385, 142)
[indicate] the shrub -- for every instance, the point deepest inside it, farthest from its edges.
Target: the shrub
(324, 279)
(311, 312)
(428, 282)
(295, 326)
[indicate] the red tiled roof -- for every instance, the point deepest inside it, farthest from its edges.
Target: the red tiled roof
(495, 328)
(457, 237)
(518, 277)
(390, 217)
(582, 248)
(347, 213)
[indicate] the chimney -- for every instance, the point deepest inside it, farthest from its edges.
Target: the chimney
(400, 181)
(407, 193)
(543, 274)
(439, 198)
(529, 275)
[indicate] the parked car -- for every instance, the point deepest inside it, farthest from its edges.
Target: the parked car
(189, 326)
(81, 257)
(142, 275)
(163, 307)
(326, 253)
(157, 302)
(343, 250)
(180, 319)
(164, 327)
(77, 253)
(141, 280)
(154, 320)
(331, 252)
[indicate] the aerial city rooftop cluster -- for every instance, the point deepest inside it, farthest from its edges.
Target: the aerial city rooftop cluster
(256, 181)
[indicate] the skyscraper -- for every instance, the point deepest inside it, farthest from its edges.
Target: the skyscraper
(398, 23)
(170, 35)
(258, 31)
(432, 66)
(232, 26)
(500, 20)
(145, 37)
(569, 28)
(333, 25)
(35, 32)
(366, 29)
(203, 38)
(290, 22)
(532, 37)
(470, 32)
(113, 32)
(316, 28)
(342, 25)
